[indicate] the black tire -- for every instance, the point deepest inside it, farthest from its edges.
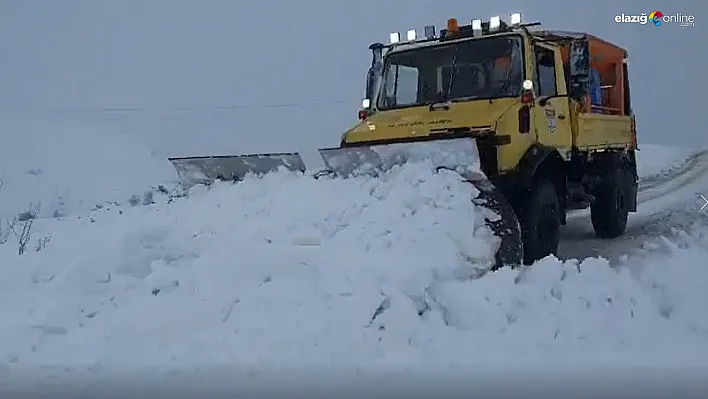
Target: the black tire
(506, 227)
(540, 222)
(611, 207)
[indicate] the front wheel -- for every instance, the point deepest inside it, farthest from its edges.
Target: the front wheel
(540, 222)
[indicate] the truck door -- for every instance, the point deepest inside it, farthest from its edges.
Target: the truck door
(552, 111)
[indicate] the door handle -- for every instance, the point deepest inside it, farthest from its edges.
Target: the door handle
(439, 107)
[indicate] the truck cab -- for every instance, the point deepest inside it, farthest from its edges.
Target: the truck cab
(550, 112)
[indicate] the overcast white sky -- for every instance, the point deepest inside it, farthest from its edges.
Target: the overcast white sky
(157, 55)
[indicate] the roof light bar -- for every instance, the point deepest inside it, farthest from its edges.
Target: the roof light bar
(478, 26)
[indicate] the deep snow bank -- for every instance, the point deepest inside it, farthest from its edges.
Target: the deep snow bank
(348, 276)
(288, 253)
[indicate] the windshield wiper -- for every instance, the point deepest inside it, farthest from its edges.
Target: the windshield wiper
(453, 69)
(444, 104)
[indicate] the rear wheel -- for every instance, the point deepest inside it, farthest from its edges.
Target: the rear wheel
(540, 222)
(611, 207)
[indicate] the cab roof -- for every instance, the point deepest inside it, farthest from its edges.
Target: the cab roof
(599, 48)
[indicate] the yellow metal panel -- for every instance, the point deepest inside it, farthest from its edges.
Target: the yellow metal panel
(417, 122)
(601, 131)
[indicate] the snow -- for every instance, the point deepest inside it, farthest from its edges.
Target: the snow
(288, 276)
(355, 276)
(364, 239)
(69, 168)
(359, 277)
(653, 159)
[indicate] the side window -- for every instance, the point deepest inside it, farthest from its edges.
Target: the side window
(389, 87)
(401, 87)
(407, 92)
(546, 69)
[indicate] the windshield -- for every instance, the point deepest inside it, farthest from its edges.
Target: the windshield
(474, 69)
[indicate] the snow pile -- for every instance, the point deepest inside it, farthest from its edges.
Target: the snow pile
(675, 274)
(292, 273)
(288, 253)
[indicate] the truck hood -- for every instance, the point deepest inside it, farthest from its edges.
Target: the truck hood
(415, 123)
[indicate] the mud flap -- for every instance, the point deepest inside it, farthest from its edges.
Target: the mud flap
(205, 170)
(460, 155)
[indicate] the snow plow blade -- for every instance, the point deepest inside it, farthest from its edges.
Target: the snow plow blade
(460, 155)
(206, 170)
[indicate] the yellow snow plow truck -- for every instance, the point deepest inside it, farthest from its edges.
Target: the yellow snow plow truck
(545, 115)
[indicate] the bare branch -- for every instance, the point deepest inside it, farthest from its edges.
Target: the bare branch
(25, 236)
(42, 242)
(5, 232)
(25, 219)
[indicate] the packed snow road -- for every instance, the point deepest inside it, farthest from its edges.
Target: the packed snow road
(669, 200)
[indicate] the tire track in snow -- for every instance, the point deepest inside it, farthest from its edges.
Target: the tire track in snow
(691, 171)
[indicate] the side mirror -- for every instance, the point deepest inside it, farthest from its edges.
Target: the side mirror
(375, 71)
(579, 68)
(371, 81)
(373, 77)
